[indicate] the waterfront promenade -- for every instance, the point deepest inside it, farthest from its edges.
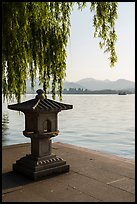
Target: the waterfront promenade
(93, 177)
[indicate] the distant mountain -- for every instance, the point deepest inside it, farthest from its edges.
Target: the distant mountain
(93, 84)
(68, 85)
(90, 84)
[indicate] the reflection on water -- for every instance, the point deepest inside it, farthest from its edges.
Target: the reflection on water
(98, 122)
(5, 122)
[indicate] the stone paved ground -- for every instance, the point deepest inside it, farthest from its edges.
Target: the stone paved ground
(93, 177)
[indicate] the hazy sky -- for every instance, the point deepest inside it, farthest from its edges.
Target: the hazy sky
(84, 57)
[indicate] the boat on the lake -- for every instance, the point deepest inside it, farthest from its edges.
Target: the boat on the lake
(122, 93)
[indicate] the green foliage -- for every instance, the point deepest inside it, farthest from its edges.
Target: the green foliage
(34, 40)
(104, 24)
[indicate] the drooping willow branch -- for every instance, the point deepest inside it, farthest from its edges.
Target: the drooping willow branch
(35, 37)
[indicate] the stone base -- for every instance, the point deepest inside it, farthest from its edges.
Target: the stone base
(36, 168)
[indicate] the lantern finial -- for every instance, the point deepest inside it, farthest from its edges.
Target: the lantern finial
(40, 93)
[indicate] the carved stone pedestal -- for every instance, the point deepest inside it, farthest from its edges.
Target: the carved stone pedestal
(35, 167)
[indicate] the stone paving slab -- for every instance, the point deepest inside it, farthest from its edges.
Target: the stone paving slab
(93, 177)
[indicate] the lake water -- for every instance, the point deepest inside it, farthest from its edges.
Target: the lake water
(99, 122)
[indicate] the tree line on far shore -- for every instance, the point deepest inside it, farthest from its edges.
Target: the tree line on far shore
(86, 91)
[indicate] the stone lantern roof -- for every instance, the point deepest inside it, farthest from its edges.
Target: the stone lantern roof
(40, 104)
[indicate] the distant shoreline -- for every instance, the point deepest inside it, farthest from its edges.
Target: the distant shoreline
(80, 92)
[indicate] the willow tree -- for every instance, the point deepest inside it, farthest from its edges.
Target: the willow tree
(35, 37)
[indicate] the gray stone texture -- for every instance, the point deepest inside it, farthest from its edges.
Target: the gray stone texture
(93, 177)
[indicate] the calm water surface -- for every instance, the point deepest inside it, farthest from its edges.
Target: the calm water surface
(98, 122)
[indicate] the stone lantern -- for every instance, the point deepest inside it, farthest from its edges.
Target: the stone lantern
(41, 125)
